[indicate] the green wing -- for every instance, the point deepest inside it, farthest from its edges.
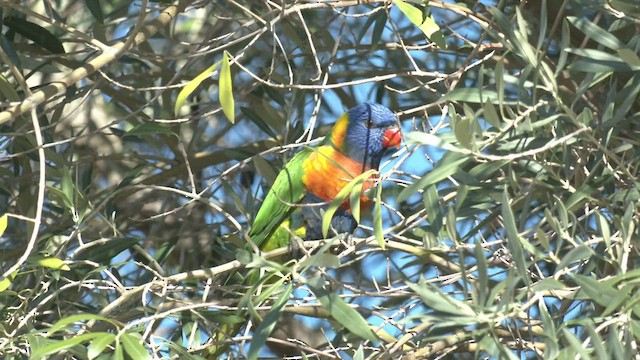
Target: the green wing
(287, 189)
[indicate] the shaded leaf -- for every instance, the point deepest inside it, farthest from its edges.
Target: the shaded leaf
(35, 33)
(269, 323)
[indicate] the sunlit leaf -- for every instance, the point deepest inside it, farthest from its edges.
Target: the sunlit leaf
(377, 218)
(427, 25)
(3, 224)
(52, 263)
(596, 33)
(56, 347)
(99, 344)
(192, 86)
(69, 320)
(133, 347)
(226, 89)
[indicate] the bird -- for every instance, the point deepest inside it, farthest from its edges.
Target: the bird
(315, 175)
(312, 179)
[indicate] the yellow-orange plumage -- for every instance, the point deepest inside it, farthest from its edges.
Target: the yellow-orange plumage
(327, 171)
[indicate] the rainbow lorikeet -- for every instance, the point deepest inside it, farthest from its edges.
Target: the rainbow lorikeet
(316, 175)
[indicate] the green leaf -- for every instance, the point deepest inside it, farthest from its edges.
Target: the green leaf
(601, 293)
(377, 218)
(354, 201)
(225, 91)
(549, 328)
(64, 323)
(428, 26)
(441, 302)
(60, 198)
(471, 95)
(269, 323)
(257, 119)
(6, 282)
(596, 33)
(35, 33)
(378, 28)
(321, 260)
(6, 88)
(630, 7)
(107, 250)
(341, 311)
(149, 129)
(446, 167)
(577, 254)
(192, 86)
(66, 184)
(576, 344)
(55, 347)
(95, 9)
(117, 353)
(464, 131)
(3, 224)
(51, 263)
(97, 345)
(431, 201)
(340, 198)
(133, 347)
(515, 240)
(483, 278)
(10, 50)
(422, 139)
(491, 115)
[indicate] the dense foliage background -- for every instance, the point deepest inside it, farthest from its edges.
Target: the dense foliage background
(138, 139)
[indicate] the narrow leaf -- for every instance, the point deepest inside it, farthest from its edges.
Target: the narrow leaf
(192, 86)
(515, 240)
(596, 33)
(35, 33)
(3, 224)
(269, 323)
(52, 263)
(57, 346)
(133, 347)
(446, 167)
(225, 91)
(341, 311)
(97, 345)
(66, 322)
(340, 198)
(377, 218)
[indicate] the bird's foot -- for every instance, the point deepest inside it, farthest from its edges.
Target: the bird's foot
(343, 241)
(296, 247)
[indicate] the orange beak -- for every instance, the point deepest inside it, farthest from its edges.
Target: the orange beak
(392, 137)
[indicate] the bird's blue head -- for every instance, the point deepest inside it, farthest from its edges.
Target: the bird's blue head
(364, 132)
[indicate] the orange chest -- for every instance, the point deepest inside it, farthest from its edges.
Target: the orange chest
(328, 171)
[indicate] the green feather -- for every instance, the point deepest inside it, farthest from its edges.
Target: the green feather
(287, 189)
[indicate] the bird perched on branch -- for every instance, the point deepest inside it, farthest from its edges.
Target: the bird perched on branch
(316, 175)
(311, 180)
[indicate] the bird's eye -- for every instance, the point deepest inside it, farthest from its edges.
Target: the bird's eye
(369, 123)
